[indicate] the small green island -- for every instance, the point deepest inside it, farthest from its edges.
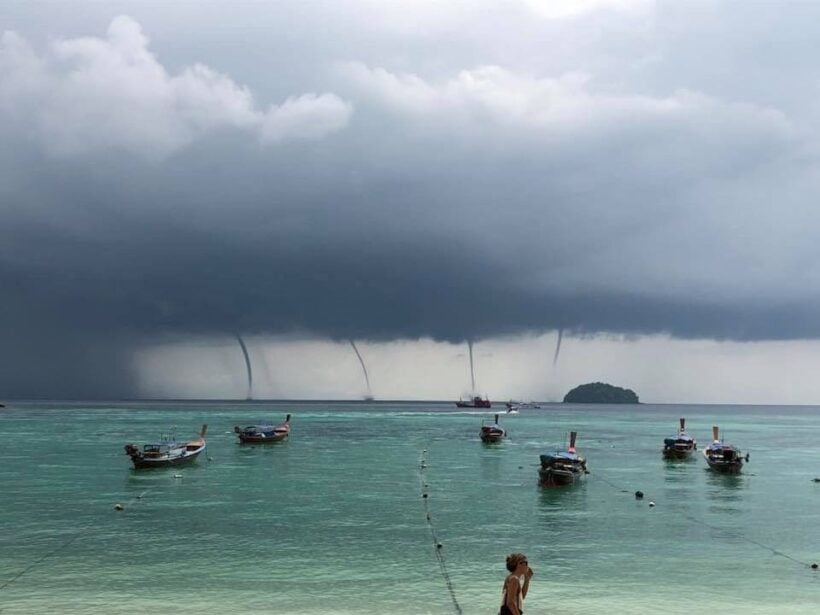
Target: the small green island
(600, 393)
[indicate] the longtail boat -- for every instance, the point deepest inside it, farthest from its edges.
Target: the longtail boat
(166, 452)
(264, 433)
(492, 433)
(681, 445)
(723, 457)
(562, 467)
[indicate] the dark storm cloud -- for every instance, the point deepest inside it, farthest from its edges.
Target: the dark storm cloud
(138, 200)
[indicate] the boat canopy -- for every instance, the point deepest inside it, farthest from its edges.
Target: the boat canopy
(546, 457)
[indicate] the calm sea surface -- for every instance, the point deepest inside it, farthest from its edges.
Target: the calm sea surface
(333, 520)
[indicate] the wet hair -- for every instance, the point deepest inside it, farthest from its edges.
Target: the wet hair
(513, 559)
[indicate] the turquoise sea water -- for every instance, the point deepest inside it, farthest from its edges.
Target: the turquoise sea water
(333, 521)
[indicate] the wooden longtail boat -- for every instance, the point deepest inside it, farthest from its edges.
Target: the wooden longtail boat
(492, 433)
(264, 433)
(166, 452)
(562, 468)
(681, 445)
(723, 457)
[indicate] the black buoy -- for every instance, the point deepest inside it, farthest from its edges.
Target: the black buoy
(814, 566)
(424, 495)
(639, 495)
(815, 480)
(439, 546)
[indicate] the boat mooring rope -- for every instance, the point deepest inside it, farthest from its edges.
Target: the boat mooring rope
(733, 533)
(438, 548)
(81, 532)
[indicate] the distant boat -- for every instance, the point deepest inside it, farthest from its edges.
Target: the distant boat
(681, 445)
(166, 452)
(264, 433)
(562, 467)
(723, 457)
(475, 402)
(521, 405)
(492, 433)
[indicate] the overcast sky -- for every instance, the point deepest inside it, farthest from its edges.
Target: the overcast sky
(640, 174)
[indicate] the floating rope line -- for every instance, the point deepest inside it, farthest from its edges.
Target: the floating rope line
(82, 531)
(438, 548)
(715, 528)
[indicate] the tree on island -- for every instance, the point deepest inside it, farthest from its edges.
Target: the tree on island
(600, 393)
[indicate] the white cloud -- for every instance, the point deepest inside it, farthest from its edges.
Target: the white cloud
(493, 95)
(89, 94)
(307, 117)
(563, 9)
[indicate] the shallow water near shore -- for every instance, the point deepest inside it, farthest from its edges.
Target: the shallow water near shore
(332, 521)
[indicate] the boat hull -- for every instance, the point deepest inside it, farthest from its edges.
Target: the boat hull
(551, 477)
(145, 463)
(677, 455)
(262, 439)
(735, 466)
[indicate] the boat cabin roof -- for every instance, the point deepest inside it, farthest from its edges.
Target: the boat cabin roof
(681, 437)
(562, 455)
(159, 446)
(720, 446)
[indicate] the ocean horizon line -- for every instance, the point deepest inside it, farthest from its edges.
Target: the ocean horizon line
(306, 401)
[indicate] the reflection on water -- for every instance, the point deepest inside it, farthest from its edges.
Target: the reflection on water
(724, 492)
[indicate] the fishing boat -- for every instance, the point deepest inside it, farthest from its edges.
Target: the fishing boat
(264, 433)
(474, 402)
(681, 445)
(492, 433)
(166, 452)
(562, 467)
(722, 457)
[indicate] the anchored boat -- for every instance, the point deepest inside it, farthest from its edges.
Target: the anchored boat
(562, 467)
(475, 402)
(681, 445)
(166, 452)
(492, 433)
(263, 434)
(723, 457)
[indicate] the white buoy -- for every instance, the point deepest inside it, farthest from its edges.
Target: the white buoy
(118, 506)
(177, 475)
(651, 504)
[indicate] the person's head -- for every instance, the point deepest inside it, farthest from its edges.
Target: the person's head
(517, 562)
